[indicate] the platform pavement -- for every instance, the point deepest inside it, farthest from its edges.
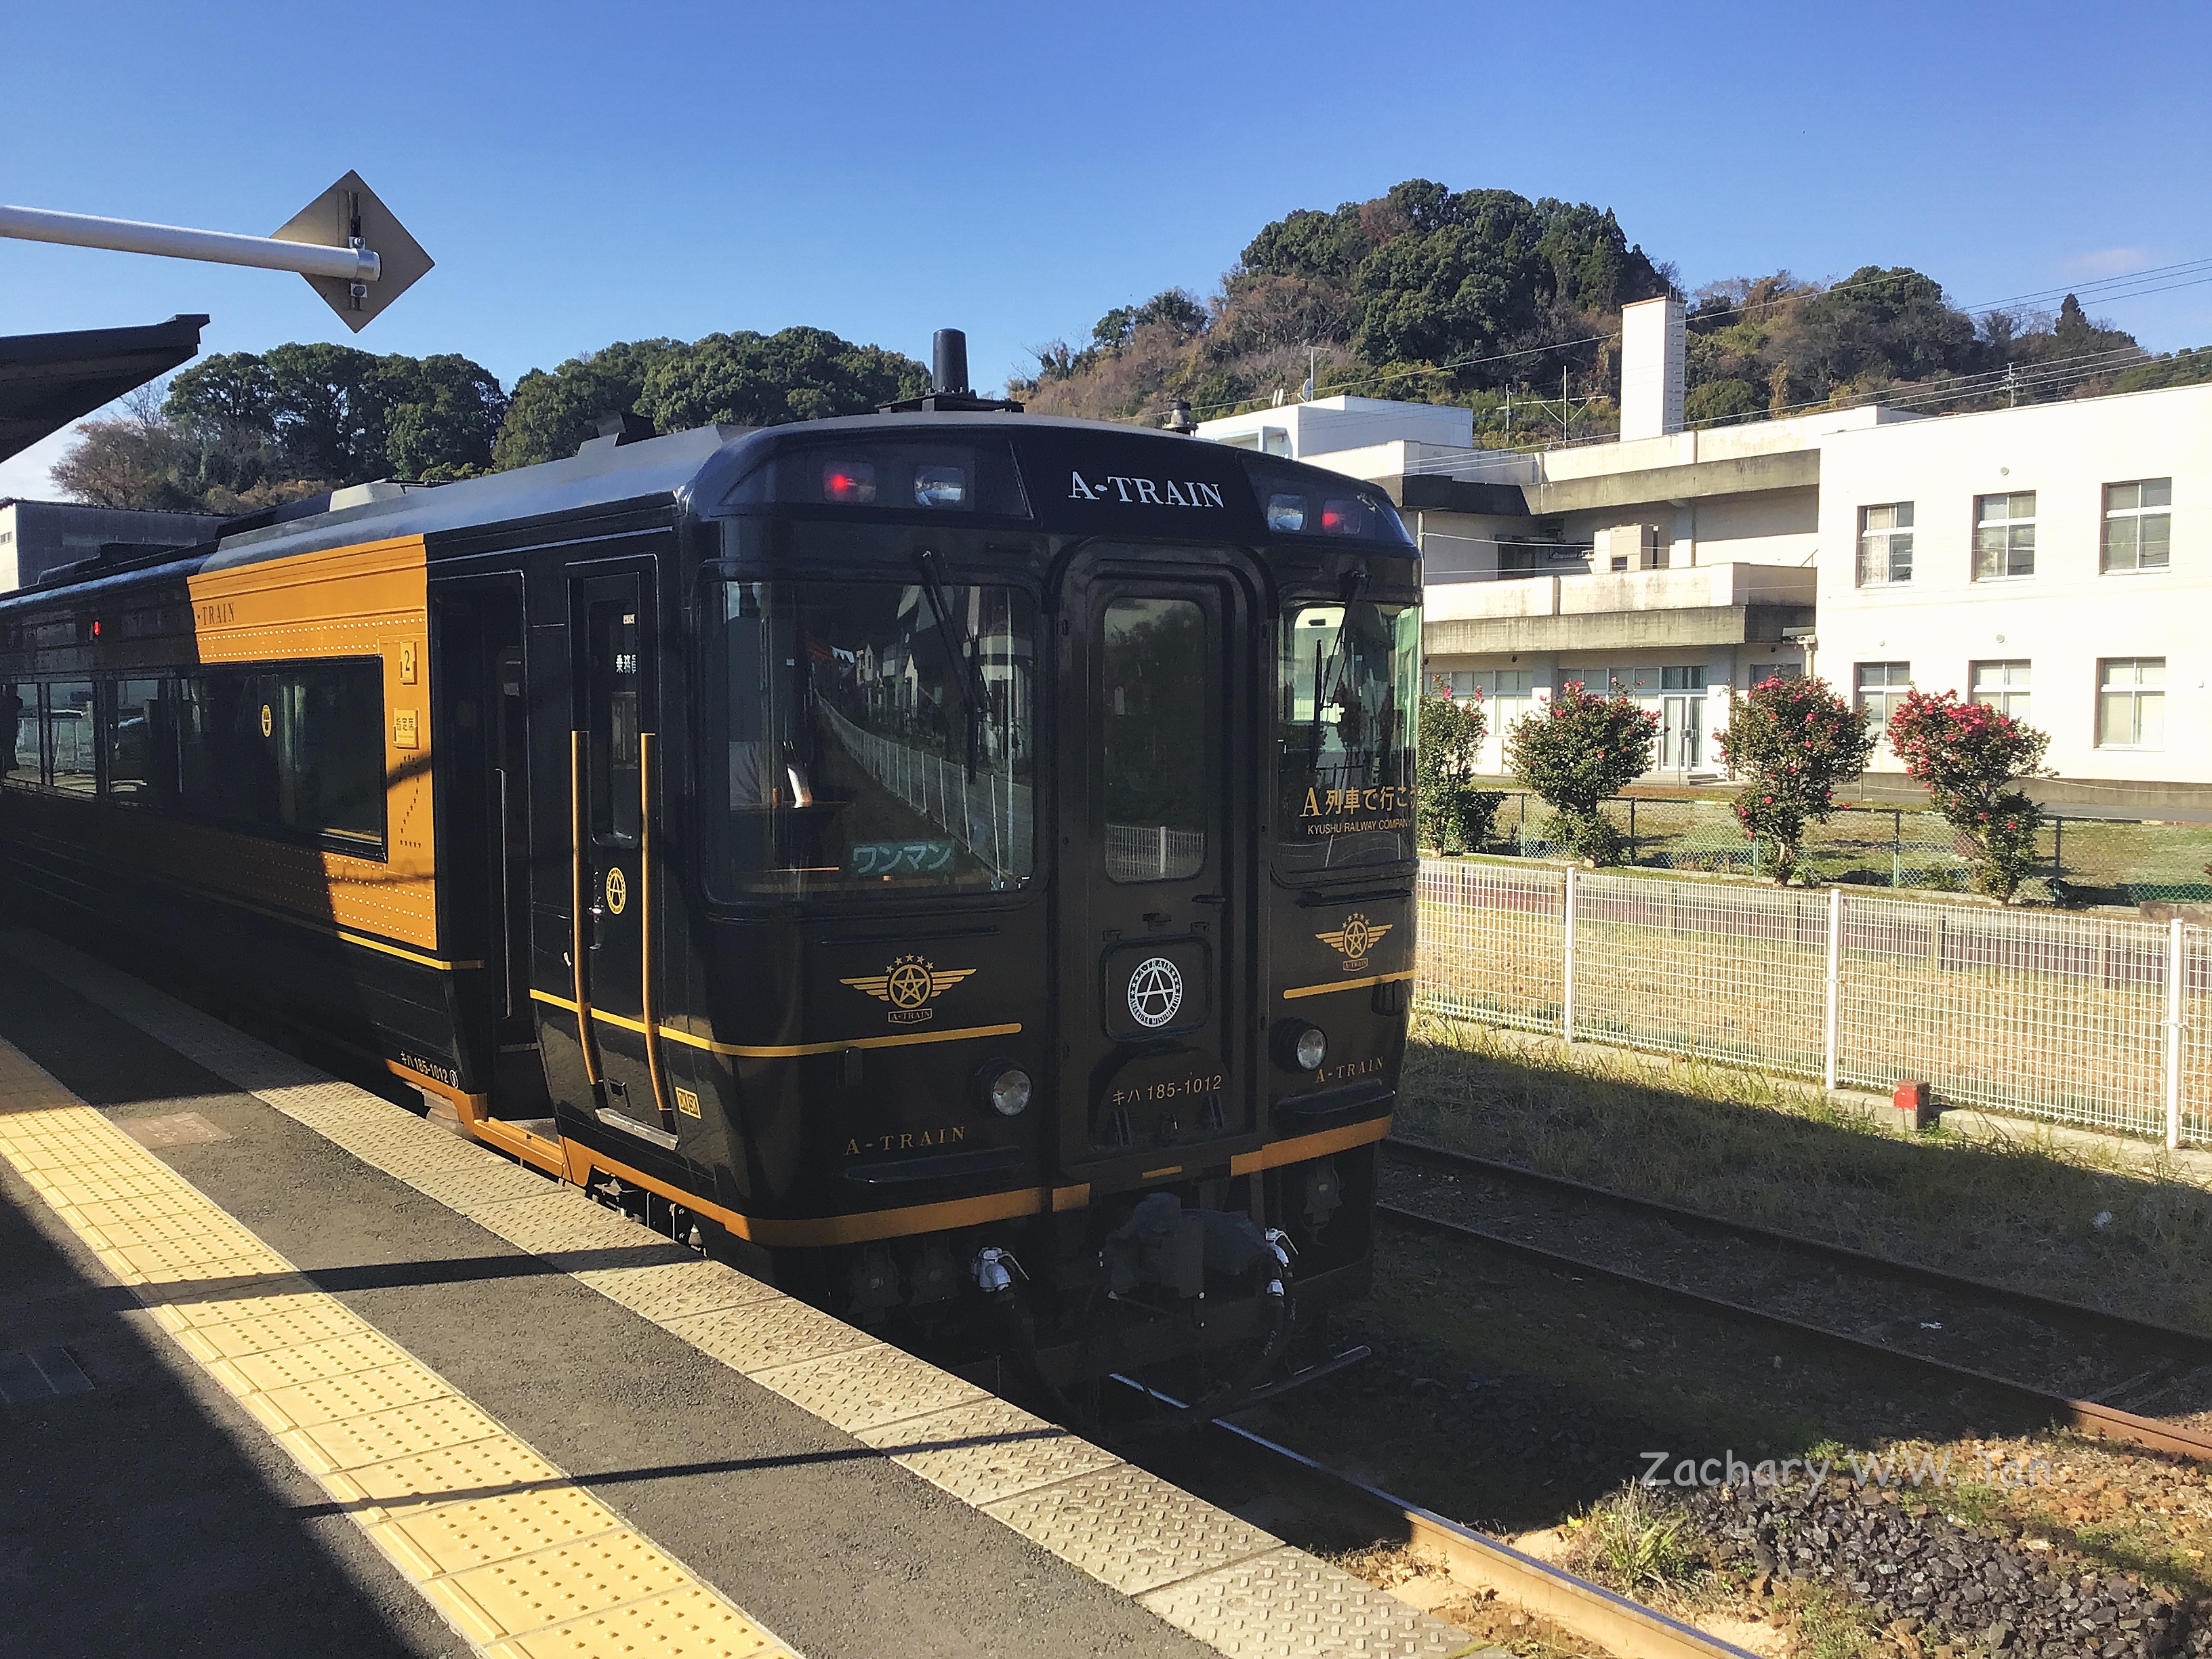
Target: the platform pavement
(805, 1486)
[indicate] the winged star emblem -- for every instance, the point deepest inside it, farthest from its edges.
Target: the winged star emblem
(1354, 939)
(909, 984)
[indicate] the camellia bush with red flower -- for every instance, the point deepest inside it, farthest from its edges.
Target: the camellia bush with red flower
(1971, 757)
(1579, 750)
(1449, 812)
(1792, 742)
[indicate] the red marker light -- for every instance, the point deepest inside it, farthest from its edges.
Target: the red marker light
(1341, 518)
(852, 483)
(95, 628)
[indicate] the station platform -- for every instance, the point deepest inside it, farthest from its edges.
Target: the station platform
(285, 1367)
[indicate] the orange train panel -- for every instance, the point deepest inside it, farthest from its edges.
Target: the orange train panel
(366, 601)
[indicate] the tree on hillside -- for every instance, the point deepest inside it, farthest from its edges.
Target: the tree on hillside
(243, 430)
(127, 459)
(744, 379)
(325, 411)
(2186, 368)
(1411, 285)
(552, 412)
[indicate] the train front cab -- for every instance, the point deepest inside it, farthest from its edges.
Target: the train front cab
(810, 823)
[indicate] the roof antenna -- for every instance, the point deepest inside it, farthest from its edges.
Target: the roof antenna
(948, 392)
(949, 361)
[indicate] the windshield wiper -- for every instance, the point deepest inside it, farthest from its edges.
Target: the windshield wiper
(959, 646)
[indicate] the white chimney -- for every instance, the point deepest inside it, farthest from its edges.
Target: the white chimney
(1651, 368)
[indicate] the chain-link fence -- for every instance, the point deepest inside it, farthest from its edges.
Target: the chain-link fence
(2081, 860)
(2076, 1019)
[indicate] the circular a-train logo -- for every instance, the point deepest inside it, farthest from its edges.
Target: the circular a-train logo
(617, 890)
(1155, 993)
(909, 984)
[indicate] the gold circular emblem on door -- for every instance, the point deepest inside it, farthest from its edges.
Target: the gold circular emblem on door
(617, 892)
(268, 721)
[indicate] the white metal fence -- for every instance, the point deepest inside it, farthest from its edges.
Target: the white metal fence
(2074, 1018)
(991, 815)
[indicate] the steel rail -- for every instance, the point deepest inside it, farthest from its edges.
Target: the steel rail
(1623, 1627)
(2055, 1311)
(2084, 1416)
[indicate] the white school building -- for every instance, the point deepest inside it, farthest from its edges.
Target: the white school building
(2055, 559)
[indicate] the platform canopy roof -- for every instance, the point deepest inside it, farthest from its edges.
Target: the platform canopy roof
(47, 380)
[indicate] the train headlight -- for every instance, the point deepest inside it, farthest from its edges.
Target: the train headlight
(1297, 1046)
(1007, 1086)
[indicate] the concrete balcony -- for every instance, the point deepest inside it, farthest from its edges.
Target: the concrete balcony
(1702, 604)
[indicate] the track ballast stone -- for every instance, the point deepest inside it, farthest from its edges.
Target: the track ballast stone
(1930, 1581)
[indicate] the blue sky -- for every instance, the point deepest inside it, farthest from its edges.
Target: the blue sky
(586, 173)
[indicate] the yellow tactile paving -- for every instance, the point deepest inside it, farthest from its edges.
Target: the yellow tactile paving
(519, 1559)
(1217, 1579)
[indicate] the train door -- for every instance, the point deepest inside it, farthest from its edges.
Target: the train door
(1155, 877)
(484, 743)
(613, 762)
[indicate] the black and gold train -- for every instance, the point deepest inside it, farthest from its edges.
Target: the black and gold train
(957, 864)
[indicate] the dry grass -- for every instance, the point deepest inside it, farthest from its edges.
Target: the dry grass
(1746, 1143)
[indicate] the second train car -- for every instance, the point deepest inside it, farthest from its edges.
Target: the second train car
(958, 864)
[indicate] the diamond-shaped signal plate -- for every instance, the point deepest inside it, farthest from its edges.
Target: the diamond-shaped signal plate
(328, 222)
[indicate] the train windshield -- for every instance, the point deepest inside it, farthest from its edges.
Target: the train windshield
(874, 737)
(1349, 685)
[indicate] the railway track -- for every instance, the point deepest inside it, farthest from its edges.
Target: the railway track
(1624, 1628)
(2072, 1361)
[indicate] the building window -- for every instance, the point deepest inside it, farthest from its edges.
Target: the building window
(2138, 524)
(2002, 686)
(1682, 679)
(1882, 686)
(2004, 536)
(2131, 702)
(1885, 544)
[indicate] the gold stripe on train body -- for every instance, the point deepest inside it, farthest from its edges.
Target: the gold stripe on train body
(781, 1051)
(368, 601)
(1298, 1149)
(1299, 991)
(864, 1227)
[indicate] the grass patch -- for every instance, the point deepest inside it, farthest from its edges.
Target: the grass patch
(1638, 1540)
(2024, 1210)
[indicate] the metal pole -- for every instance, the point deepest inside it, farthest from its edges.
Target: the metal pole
(1835, 975)
(1567, 995)
(1896, 849)
(1631, 832)
(2058, 847)
(347, 264)
(2175, 964)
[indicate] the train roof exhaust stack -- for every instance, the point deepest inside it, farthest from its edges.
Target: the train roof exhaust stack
(948, 391)
(949, 361)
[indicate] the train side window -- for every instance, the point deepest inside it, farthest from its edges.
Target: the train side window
(616, 712)
(142, 743)
(72, 738)
(294, 751)
(19, 733)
